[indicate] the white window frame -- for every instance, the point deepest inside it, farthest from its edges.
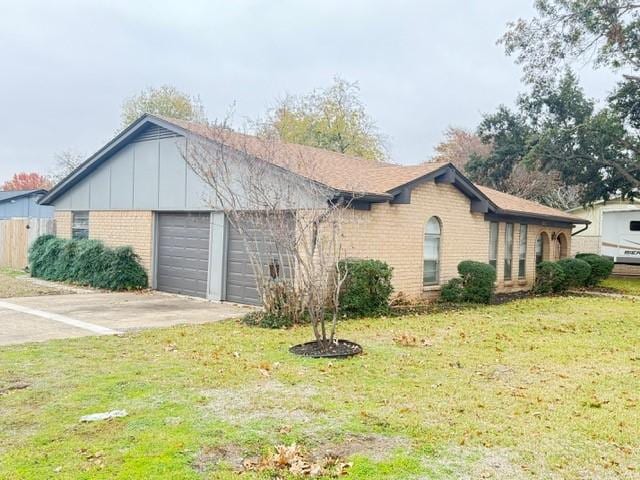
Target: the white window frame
(80, 223)
(494, 235)
(522, 253)
(508, 251)
(436, 238)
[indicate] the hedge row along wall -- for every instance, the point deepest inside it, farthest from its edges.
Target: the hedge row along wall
(86, 262)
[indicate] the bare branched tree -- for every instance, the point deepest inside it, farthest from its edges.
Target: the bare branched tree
(290, 224)
(543, 187)
(66, 162)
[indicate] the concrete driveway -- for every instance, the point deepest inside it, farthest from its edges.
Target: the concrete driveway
(36, 319)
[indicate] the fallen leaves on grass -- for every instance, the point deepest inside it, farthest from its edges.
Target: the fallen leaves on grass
(294, 460)
(408, 340)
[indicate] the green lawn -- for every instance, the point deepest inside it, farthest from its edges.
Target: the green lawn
(540, 388)
(628, 285)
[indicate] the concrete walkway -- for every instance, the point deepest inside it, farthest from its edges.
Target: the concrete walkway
(36, 319)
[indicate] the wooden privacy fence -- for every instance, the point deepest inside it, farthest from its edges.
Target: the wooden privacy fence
(16, 235)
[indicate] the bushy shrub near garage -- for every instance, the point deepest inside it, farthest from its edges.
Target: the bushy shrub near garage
(367, 288)
(37, 263)
(550, 278)
(601, 267)
(86, 262)
(576, 271)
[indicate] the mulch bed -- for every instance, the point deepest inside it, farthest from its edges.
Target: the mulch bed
(335, 349)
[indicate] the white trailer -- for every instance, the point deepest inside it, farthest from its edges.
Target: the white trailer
(620, 236)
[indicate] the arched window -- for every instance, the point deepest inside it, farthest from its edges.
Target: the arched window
(431, 253)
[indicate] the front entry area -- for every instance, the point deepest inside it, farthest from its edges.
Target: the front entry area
(182, 262)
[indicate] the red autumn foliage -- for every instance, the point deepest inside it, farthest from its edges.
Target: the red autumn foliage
(26, 181)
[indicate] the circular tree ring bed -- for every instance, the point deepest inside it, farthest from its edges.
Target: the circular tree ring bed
(336, 349)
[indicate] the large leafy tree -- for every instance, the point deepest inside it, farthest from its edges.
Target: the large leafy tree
(599, 149)
(605, 32)
(556, 130)
(166, 101)
(333, 118)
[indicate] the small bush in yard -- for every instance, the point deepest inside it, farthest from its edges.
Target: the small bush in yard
(550, 278)
(452, 291)
(267, 320)
(576, 271)
(87, 262)
(478, 281)
(601, 267)
(367, 288)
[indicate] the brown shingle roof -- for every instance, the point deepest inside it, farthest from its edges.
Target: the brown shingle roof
(336, 170)
(350, 173)
(512, 204)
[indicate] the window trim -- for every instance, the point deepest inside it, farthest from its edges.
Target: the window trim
(438, 238)
(522, 251)
(494, 227)
(80, 224)
(508, 252)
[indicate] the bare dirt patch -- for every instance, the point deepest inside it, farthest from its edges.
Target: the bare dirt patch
(210, 457)
(373, 446)
(262, 400)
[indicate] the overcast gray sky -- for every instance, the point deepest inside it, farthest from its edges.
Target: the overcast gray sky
(66, 66)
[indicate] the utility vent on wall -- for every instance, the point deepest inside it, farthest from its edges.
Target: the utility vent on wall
(153, 132)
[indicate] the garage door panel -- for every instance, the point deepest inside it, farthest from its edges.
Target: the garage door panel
(183, 253)
(241, 282)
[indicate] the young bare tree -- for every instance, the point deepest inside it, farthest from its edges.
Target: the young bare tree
(290, 224)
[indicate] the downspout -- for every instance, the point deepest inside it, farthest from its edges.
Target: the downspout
(580, 231)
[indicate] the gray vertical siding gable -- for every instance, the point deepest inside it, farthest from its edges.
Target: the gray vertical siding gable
(148, 174)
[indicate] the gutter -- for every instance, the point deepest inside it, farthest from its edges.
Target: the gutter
(581, 230)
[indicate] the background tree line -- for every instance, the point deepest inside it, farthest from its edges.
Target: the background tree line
(555, 146)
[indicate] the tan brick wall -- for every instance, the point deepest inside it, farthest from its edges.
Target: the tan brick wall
(119, 228)
(585, 244)
(394, 234)
(63, 224)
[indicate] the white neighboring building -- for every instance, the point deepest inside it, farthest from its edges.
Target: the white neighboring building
(614, 231)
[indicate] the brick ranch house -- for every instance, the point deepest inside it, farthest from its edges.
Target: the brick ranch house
(138, 190)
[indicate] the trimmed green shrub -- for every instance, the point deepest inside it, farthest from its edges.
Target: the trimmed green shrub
(123, 270)
(478, 281)
(601, 267)
(86, 262)
(51, 253)
(90, 262)
(576, 271)
(451, 291)
(367, 288)
(550, 278)
(37, 258)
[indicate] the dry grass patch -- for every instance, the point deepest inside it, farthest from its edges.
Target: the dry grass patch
(15, 283)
